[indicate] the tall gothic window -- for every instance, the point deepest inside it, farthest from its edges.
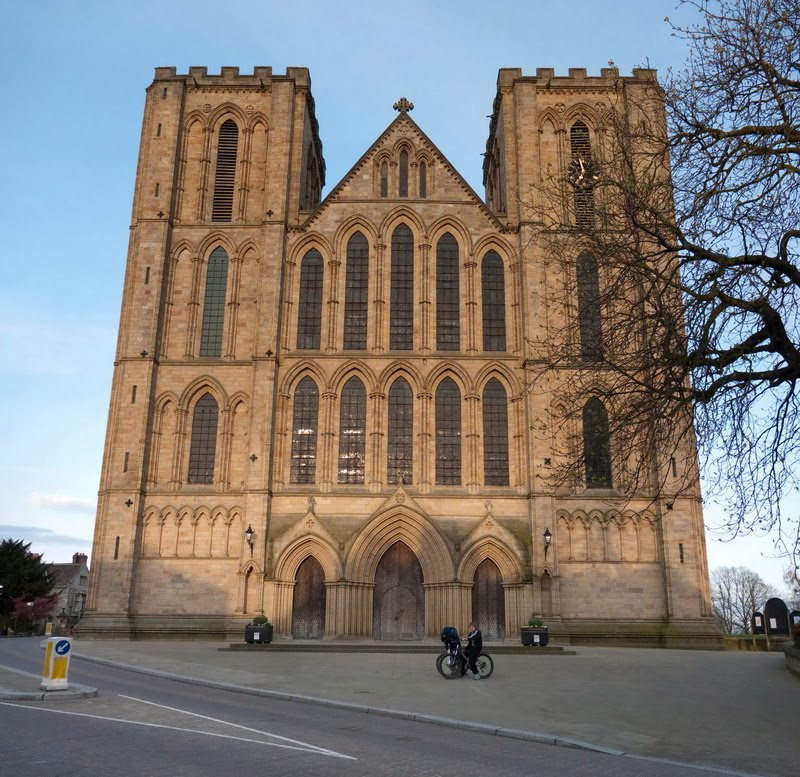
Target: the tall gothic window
(583, 197)
(589, 322)
(309, 314)
(448, 434)
(204, 440)
(448, 320)
(596, 445)
(495, 434)
(225, 177)
(401, 316)
(423, 180)
(356, 293)
(352, 432)
(494, 302)
(304, 432)
(384, 179)
(214, 304)
(403, 182)
(400, 463)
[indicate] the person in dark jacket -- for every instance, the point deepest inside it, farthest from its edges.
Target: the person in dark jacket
(474, 648)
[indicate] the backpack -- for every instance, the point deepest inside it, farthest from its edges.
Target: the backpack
(450, 635)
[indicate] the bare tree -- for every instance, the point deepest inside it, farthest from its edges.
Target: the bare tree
(737, 593)
(693, 324)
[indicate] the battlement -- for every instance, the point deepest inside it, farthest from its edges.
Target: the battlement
(261, 76)
(577, 76)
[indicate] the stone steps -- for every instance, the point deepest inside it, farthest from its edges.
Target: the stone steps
(432, 648)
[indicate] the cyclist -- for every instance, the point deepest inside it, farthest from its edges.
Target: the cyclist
(474, 647)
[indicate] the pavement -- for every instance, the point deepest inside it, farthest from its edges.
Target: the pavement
(735, 711)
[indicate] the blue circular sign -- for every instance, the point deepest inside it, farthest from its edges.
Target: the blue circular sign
(62, 647)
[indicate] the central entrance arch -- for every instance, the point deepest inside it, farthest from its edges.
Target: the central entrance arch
(398, 611)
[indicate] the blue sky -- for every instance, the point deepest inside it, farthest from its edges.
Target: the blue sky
(75, 75)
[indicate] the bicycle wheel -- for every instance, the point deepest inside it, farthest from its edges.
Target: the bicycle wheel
(485, 665)
(448, 666)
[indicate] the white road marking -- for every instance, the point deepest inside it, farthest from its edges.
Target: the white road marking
(302, 746)
(237, 725)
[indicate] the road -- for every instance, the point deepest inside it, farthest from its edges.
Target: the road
(141, 726)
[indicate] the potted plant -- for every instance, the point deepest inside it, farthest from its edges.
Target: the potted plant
(535, 633)
(258, 631)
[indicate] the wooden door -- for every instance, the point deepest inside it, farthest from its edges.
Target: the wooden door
(308, 608)
(489, 601)
(398, 598)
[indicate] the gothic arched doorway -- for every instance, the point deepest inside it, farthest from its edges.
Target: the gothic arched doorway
(488, 600)
(398, 610)
(308, 605)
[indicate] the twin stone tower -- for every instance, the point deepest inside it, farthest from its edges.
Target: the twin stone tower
(321, 408)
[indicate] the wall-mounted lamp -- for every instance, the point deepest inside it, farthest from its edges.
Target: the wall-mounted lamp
(248, 535)
(548, 538)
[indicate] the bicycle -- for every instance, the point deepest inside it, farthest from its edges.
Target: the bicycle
(453, 662)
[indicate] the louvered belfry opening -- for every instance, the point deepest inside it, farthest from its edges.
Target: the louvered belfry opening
(583, 198)
(225, 177)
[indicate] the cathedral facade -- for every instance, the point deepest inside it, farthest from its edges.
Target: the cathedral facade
(321, 408)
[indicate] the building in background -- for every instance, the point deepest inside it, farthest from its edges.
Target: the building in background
(321, 409)
(70, 588)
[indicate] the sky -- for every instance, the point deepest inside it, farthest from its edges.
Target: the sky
(74, 85)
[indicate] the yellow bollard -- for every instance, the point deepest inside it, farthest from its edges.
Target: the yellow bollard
(56, 664)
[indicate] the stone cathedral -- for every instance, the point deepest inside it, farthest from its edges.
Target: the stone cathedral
(319, 409)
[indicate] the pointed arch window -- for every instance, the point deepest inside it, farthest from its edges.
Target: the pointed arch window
(495, 434)
(352, 432)
(423, 180)
(583, 196)
(448, 434)
(384, 179)
(214, 304)
(356, 293)
(589, 321)
(448, 320)
(401, 317)
(494, 302)
(400, 459)
(202, 451)
(596, 445)
(304, 432)
(309, 314)
(225, 177)
(403, 177)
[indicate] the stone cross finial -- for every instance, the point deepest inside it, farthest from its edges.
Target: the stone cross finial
(312, 503)
(403, 105)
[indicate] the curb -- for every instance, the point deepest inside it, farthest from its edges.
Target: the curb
(75, 691)
(482, 728)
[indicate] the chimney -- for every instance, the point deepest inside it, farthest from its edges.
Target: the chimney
(79, 558)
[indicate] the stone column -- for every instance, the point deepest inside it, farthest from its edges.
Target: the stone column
(233, 307)
(426, 337)
(333, 304)
(379, 337)
(472, 438)
(424, 454)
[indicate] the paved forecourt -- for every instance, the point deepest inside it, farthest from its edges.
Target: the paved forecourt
(740, 711)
